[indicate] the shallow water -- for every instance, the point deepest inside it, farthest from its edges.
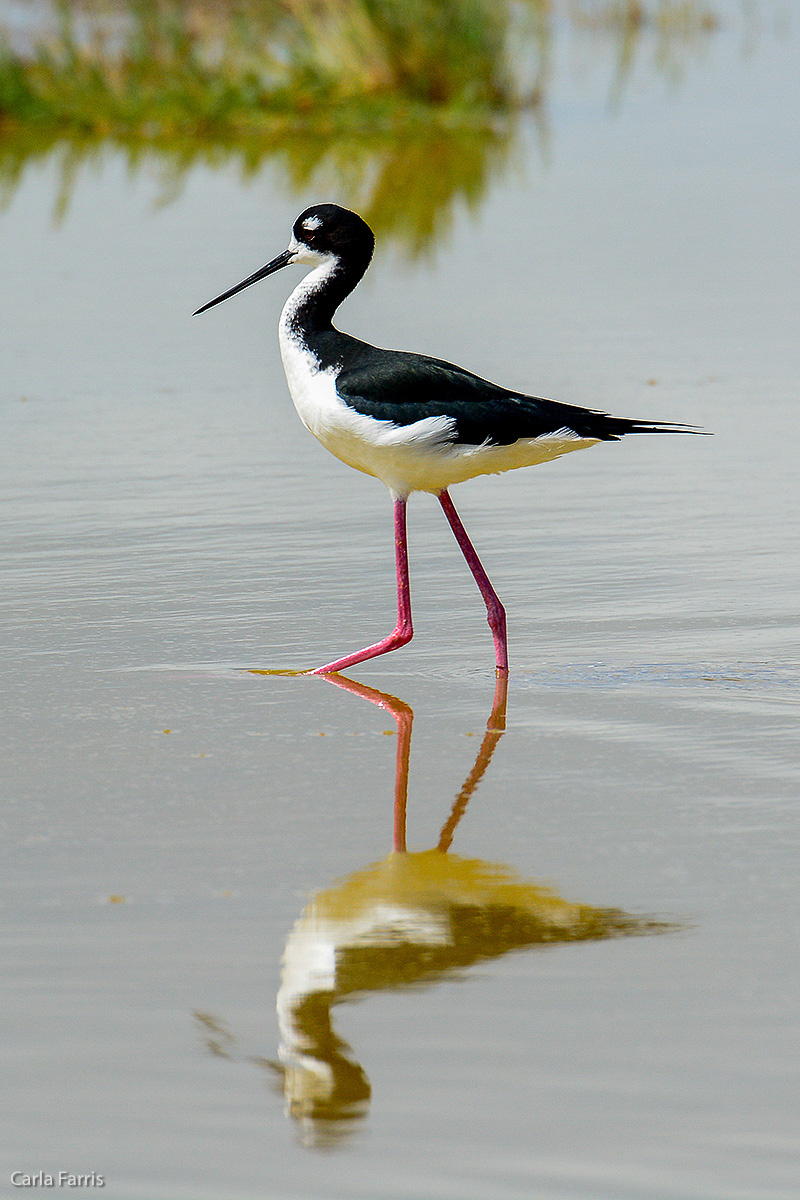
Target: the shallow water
(171, 816)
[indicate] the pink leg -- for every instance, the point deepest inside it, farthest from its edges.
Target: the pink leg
(403, 631)
(495, 613)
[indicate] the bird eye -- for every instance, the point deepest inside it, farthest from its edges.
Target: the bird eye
(310, 231)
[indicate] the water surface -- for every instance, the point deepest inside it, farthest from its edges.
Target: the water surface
(171, 816)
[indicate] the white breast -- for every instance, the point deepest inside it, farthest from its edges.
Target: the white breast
(406, 458)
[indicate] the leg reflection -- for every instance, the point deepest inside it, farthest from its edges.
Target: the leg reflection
(412, 918)
(404, 717)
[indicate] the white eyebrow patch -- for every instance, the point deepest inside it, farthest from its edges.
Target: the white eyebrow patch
(312, 223)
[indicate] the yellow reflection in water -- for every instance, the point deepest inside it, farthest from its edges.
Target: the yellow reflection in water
(411, 919)
(408, 182)
(407, 157)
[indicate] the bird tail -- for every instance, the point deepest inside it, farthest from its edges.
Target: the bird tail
(613, 428)
(660, 427)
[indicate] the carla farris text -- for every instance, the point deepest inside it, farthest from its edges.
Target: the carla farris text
(63, 1179)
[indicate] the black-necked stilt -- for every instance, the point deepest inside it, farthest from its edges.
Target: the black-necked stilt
(416, 423)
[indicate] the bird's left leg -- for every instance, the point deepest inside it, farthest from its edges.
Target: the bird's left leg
(403, 630)
(495, 613)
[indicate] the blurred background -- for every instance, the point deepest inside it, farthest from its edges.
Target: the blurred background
(361, 97)
(569, 912)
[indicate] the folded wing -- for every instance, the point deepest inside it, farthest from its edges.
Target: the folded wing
(407, 388)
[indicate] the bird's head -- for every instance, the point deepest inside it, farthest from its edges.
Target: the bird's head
(327, 231)
(324, 233)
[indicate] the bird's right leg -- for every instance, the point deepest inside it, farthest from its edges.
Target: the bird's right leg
(495, 613)
(403, 631)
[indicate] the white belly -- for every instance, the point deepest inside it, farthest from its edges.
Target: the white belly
(406, 458)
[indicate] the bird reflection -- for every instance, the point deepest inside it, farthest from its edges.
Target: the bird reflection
(411, 919)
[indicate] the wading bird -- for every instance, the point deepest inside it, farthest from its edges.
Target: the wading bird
(414, 422)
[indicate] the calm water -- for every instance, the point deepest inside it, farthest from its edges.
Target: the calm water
(175, 823)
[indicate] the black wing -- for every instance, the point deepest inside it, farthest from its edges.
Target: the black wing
(390, 385)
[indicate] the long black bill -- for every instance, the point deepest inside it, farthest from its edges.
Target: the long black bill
(282, 260)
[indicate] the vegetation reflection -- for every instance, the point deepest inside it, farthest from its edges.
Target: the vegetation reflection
(412, 919)
(405, 110)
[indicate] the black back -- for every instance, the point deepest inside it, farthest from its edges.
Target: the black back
(403, 388)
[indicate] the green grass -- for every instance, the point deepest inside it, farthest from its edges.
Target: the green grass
(263, 64)
(164, 68)
(404, 109)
